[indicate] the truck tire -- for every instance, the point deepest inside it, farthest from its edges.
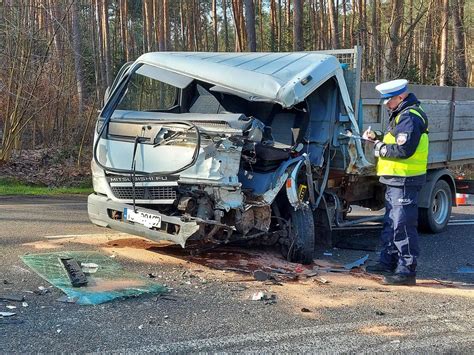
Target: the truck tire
(301, 246)
(435, 218)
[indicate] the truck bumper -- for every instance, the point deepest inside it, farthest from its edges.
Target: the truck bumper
(172, 229)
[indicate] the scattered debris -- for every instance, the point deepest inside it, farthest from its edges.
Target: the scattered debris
(269, 300)
(465, 270)
(321, 280)
(379, 313)
(108, 283)
(14, 298)
(41, 290)
(74, 271)
(167, 298)
(356, 263)
(299, 269)
(239, 288)
(7, 314)
(261, 275)
(332, 269)
(89, 268)
(305, 310)
(455, 284)
(67, 299)
(258, 296)
(261, 296)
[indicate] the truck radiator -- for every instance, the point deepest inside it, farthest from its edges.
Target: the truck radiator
(144, 192)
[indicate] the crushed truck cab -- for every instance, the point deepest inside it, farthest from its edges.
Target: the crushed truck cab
(220, 147)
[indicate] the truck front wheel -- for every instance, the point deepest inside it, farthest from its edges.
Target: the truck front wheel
(435, 218)
(299, 247)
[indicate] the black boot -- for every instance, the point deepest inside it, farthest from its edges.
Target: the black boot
(379, 268)
(399, 279)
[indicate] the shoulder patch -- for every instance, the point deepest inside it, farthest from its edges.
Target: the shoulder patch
(402, 138)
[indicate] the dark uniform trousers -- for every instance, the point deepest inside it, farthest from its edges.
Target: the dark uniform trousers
(399, 235)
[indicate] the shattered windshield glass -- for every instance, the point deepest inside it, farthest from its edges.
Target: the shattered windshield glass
(145, 93)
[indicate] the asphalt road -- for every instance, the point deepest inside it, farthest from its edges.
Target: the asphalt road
(211, 309)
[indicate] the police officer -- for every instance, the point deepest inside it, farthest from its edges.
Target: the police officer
(402, 160)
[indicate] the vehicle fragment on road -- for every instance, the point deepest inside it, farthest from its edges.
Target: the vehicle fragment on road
(109, 282)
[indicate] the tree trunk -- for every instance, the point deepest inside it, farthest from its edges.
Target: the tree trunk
(344, 23)
(391, 59)
(298, 43)
(124, 29)
(443, 66)
(260, 19)
(106, 42)
(226, 31)
(76, 44)
(237, 24)
(214, 25)
(459, 44)
(250, 25)
(166, 26)
(182, 20)
(273, 26)
(333, 24)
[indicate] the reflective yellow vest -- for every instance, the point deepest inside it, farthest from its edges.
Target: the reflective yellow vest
(412, 166)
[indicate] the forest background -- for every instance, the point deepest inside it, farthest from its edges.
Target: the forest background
(57, 57)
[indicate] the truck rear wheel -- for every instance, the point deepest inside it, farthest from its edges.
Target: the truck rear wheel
(301, 237)
(435, 218)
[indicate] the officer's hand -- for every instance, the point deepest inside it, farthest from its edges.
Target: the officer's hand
(369, 134)
(380, 149)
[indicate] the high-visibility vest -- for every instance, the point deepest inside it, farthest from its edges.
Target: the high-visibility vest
(412, 166)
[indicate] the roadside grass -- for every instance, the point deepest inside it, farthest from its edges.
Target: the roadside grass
(13, 187)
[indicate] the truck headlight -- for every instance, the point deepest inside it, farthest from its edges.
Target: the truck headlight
(99, 182)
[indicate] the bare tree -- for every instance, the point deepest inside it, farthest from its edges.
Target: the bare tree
(333, 25)
(214, 25)
(459, 43)
(226, 33)
(391, 59)
(298, 25)
(443, 58)
(250, 25)
(78, 66)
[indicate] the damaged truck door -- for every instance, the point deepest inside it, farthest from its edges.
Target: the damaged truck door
(223, 147)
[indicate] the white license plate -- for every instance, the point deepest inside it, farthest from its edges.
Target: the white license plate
(149, 220)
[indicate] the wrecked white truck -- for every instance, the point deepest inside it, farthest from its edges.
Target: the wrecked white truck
(223, 147)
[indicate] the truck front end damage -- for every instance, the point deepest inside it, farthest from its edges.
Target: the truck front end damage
(184, 151)
(174, 179)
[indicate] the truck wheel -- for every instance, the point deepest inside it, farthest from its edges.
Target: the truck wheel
(301, 239)
(435, 219)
